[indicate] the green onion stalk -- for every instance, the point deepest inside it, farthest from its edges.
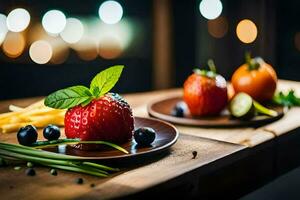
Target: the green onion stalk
(50, 159)
(45, 144)
(263, 110)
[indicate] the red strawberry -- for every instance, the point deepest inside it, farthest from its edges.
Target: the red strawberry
(205, 93)
(93, 113)
(108, 118)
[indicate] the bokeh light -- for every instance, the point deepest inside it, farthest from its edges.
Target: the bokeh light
(110, 12)
(54, 21)
(73, 31)
(218, 27)
(210, 9)
(60, 50)
(36, 32)
(3, 28)
(14, 44)
(40, 52)
(18, 20)
(88, 54)
(110, 47)
(87, 50)
(60, 55)
(246, 31)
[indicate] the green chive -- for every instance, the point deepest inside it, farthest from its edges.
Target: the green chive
(43, 144)
(54, 160)
(75, 169)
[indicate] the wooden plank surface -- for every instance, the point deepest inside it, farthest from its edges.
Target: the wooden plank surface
(130, 180)
(16, 185)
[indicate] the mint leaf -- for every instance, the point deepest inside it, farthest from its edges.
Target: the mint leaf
(85, 103)
(69, 97)
(289, 99)
(104, 81)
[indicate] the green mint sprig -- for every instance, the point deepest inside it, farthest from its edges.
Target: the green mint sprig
(52, 143)
(101, 84)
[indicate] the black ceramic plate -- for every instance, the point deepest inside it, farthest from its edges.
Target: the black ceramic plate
(162, 109)
(166, 136)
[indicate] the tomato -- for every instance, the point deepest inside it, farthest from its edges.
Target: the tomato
(256, 78)
(205, 93)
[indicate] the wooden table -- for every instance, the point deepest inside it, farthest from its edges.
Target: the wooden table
(227, 159)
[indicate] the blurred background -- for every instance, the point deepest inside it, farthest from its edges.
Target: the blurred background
(50, 44)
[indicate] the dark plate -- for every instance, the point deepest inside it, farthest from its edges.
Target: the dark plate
(166, 136)
(162, 109)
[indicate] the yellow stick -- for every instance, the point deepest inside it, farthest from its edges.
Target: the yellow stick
(36, 114)
(14, 108)
(37, 104)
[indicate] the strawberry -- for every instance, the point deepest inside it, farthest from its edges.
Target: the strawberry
(108, 118)
(205, 92)
(93, 113)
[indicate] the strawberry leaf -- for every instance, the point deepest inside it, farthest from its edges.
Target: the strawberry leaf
(104, 81)
(69, 97)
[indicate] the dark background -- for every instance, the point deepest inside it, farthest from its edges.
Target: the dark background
(192, 45)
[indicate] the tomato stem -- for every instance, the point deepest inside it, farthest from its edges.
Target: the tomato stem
(248, 57)
(211, 73)
(252, 63)
(212, 65)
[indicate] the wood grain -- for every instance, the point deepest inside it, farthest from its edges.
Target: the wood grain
(131, 179)
(15, 185)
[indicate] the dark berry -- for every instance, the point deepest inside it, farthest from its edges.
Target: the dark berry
(27, 135)
(92, 185)
(144, 136)
(53, 172)
(178, 110)
(51, 132)
(30, 172)
(194, 154)
(79, 181)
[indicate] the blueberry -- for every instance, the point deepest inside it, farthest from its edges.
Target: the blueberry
(144, 136)
(79, 181)
(30, 172)
(51, 132)
(27, 135)
(178, 110)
